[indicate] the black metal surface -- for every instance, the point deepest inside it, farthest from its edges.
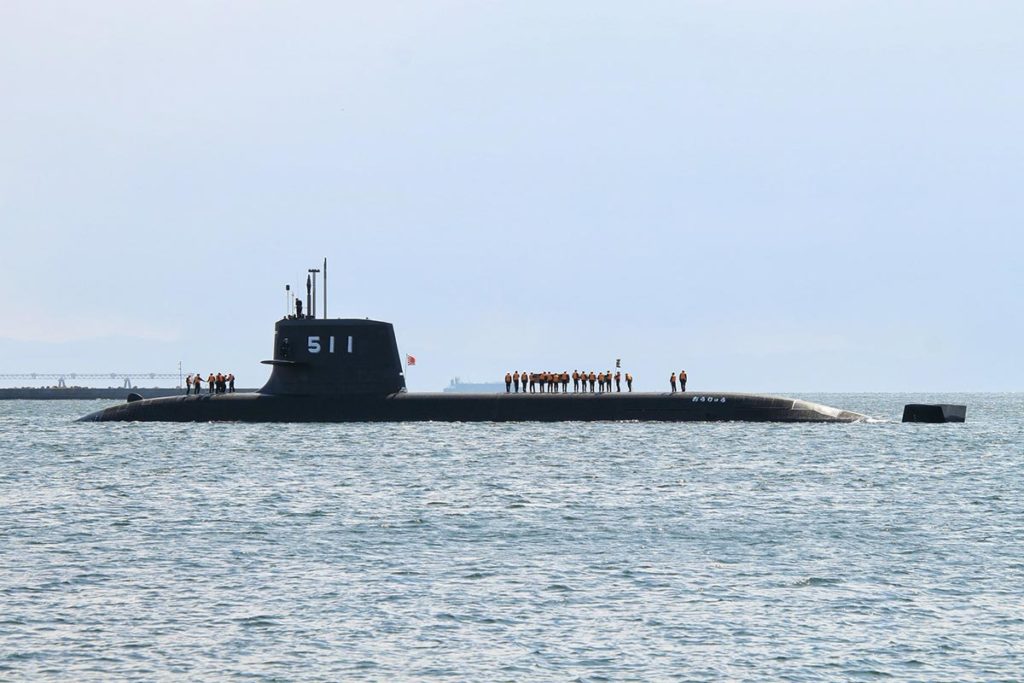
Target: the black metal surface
(314, 357)
(349, 371)
(934, 413)
(404, 407)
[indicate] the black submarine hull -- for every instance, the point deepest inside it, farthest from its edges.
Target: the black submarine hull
(349, 370)
(431, 407)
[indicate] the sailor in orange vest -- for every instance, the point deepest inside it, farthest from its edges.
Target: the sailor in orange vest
(508, 382)
(608, 381)
(629, 382)
(196, 381)
(533, 380)
(682, 380)
(231, 382)
(672, 381)
(524, 378)
(618, 382)
(575, 381)
(515, 381)
(188, 385)
(565, 382)
(211, 381)
(592, 378)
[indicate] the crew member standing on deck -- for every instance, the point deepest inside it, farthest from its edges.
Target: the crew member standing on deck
(629, 382)
(672, 381)
(618, 382)
(211, 382)
(533, 379)
(231, 382)
(682, 381)
(565, 382)
(196, 381)
(515, 381)
(188, 385)
(593, 379)
(508, 382)
(575, 381)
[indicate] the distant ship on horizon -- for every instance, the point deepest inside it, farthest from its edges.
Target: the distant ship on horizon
(458, 386)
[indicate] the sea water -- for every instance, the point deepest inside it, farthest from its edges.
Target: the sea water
(523, 551)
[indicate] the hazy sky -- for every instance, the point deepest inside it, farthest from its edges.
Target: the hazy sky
(775, 196)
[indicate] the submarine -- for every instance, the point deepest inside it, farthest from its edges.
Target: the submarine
(349, 370)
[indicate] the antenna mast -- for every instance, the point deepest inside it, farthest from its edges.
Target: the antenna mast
(309, 297)
(312, 310)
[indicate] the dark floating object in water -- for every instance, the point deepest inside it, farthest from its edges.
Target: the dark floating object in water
(934, 412)
(349, 370)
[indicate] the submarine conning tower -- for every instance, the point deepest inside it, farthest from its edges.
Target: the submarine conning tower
(331, 357)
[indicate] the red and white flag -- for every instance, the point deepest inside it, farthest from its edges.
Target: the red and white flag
(410, 360)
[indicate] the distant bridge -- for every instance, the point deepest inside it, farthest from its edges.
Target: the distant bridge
(62, 377)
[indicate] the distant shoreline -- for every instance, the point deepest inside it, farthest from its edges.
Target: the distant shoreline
(90, 393)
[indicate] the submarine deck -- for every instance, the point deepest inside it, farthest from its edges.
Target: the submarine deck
(499, 407)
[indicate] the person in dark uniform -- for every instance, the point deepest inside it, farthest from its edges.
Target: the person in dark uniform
(682, 380)
(629, 382)
(188, 385)
(196, 382)
(672, 381)
(515, 381)
(508, 382)
(618, 382)
(593, 380)
(533, 381)
(575, 381)
(565, 382)
(211, 383)
(231, 382)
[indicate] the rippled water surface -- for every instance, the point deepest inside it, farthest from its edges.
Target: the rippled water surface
(514, 551)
